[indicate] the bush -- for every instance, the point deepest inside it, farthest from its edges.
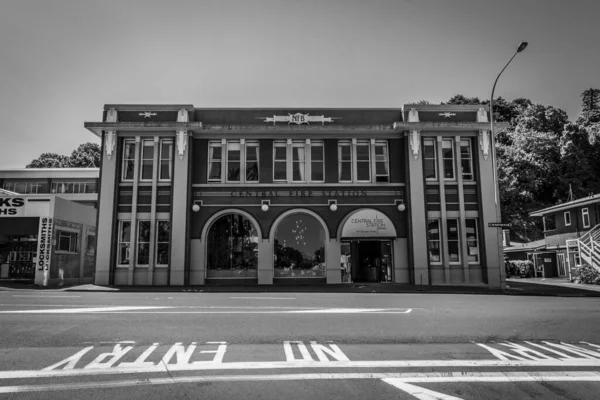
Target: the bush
(586, 274)
(522, 268)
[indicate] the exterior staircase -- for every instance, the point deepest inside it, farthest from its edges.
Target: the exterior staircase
(588, 246)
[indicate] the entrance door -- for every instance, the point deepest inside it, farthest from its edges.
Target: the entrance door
(562, 271)
(369, 260)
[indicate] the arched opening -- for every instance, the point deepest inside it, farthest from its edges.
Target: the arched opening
(299, 247)
(232, 248)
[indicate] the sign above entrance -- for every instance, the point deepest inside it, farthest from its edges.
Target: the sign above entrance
(368, 224)
(298, 119)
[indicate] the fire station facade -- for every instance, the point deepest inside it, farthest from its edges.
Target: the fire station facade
(194, 196)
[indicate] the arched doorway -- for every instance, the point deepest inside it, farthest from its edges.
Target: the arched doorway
(299, 247)
(232, 248)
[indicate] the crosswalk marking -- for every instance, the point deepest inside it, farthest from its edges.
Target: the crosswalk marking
(419, 392)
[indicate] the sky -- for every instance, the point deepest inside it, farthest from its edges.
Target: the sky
(62, 60)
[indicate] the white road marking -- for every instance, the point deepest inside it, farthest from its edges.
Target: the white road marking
(266, 365)
(418, 392)
(429, 377)
(251, 310)
(50, 296)
(83, 310)
(265, 298)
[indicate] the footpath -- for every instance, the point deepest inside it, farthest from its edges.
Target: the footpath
(514, 287)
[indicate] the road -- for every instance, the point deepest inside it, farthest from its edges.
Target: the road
(297, 345)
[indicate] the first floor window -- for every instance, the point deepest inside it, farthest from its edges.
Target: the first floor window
(472, 240)
(550, 222)
(382, 160)
(429, 159)
(128, 160)
(166, 160)
(251, 161)
(345, 161)
(143, 244)
(124, 242)
(279, 161)
(453, 239)
(214, 162)
(298, 161)
(163, 229)
(317, 161)
(147, 160)
(67, 241)
(234, 159)
(448, 158)
(363, 161)
(434, 241)
(585, 215)
(466, 159)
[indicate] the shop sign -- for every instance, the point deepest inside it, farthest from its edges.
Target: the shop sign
(368, 223)
(12, 206)
(44, 244)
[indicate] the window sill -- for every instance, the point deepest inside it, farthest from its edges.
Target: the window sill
(65, 252)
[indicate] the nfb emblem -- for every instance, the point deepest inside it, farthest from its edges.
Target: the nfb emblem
(298, 118)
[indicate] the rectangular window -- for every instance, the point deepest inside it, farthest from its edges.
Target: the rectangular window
(143, 243)
(317, 161)
(382, 162)
(472, 240)
(166, 160)
(279, 161)
(453, 240)
(567, 218)
(23, 187)
(66, 241)
(298, 161)
(163, 229)
(585, 215)
(433, 241)
(234, 160)
(363, 161)
(466, 159)
(251, 161)
(147, 160)
(448, 158)
(128, 160)
(345, 161)
(550, 222)
(429, 159)
(124, 242)
(214, 161)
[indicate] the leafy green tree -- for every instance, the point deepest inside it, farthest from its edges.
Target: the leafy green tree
(87, 155)
(49, 160)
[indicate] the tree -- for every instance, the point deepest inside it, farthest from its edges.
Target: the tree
(86, 155)
(49, 160)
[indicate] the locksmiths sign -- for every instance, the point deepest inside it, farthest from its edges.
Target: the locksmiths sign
(12, 206)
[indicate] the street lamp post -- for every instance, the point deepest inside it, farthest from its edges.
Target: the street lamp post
(521, 47)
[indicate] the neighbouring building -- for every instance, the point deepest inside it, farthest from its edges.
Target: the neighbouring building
(571, 237)
(194, 196)
(48, 225)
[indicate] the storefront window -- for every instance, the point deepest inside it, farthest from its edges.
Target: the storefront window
(143, 243)
(162, 242)
(232, 248)
(124, 241)
(433, 238)
(472, 240)
(299, 248)
(453, 240)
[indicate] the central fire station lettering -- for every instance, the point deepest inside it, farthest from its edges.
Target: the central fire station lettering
(300, 193)
(10, 205)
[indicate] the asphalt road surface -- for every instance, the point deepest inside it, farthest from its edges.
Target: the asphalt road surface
(74, 345)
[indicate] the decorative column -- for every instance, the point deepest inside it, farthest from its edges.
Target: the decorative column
(107, 200)
(416, 205)
(180, 206)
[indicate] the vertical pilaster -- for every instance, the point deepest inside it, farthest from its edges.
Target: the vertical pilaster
(444, 215)
(180, 205)
(418, 214)
(134, 200)
(464, 255)
(265, 262)
(333, 253)
(152, 249)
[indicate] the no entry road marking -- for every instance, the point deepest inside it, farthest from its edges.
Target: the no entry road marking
(396, 379)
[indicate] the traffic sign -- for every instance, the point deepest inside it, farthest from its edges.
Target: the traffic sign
(499, 225)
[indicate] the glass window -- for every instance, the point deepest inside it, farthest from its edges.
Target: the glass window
(585, 215)
(345, 161)
(66, 241)
(124, 242)
(147, 160)
(382, 162)
(317, 161)
(299, 248)
(567, 218)
(279, 161)
(448, 158)
(166, 160)
(433, 238)
(251, 161)
(363, 161)
(163, 229)
(453, 240)
(550, 222)
(466, 159)
(298, 161)
(232, 248)
(429, 159)
(143, 243)
(128, 160)
(472, 240)
(233, 161)
(214, 161)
